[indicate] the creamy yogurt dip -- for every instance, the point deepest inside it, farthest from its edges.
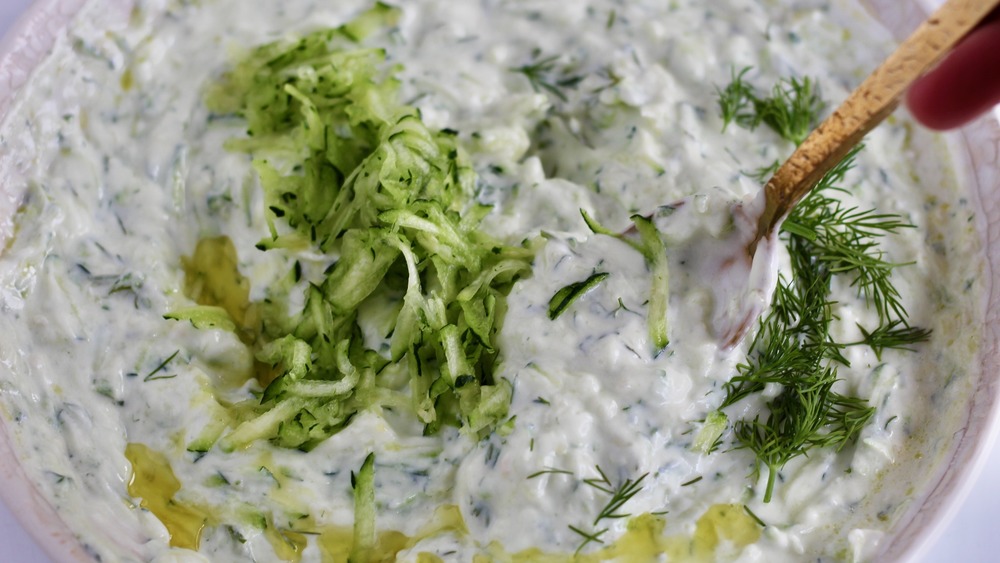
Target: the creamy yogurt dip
(123, 171)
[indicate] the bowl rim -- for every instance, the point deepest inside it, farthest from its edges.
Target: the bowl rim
(28, 42)
(30, 39)
(975, 146)
(944, 495)
(22, 49)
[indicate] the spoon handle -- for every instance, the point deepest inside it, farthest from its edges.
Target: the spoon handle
(867, 106)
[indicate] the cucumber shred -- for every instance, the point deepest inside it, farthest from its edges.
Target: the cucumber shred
(364, 538)
(351, 172)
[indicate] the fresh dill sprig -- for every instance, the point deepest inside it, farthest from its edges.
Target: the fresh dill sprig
(736, 101)
(588, 537)
(844, 240)
(806, 414)
(792, 109)
(620, 494)
(793, 348)
(895, 335)
(545, 75)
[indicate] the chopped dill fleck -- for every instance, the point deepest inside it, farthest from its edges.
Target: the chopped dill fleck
(754, 516)
(544, 75)
(152, 376)
(548, 471)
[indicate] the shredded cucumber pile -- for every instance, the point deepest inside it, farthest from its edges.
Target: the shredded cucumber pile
(351, 172)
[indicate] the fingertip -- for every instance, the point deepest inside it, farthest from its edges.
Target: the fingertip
(965, 84)
(928, 103)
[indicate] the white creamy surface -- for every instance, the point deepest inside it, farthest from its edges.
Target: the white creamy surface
(617, 408)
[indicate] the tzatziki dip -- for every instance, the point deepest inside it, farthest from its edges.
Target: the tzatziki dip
(331, 280)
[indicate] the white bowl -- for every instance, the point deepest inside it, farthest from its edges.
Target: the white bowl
(977, 154)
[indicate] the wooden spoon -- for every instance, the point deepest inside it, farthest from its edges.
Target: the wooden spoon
(742, 264)
(866, 107)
